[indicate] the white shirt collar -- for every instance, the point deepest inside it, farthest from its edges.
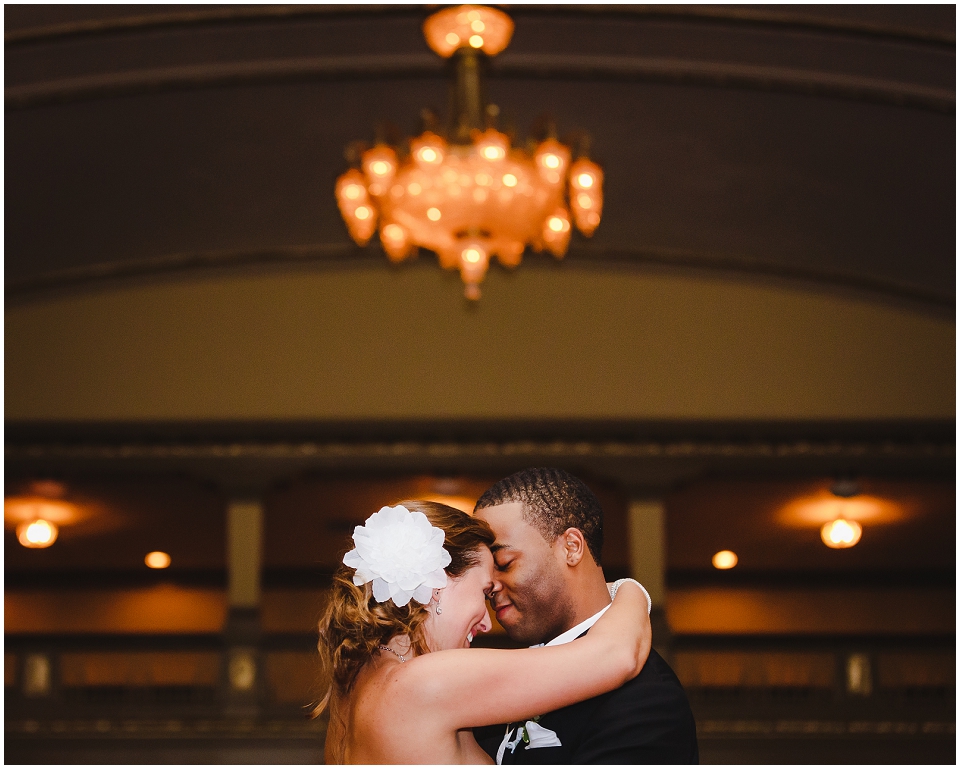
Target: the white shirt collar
(576, 631)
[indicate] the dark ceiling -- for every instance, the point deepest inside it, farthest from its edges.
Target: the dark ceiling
(810, 143)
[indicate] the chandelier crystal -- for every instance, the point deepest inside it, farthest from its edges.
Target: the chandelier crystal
(470, 195)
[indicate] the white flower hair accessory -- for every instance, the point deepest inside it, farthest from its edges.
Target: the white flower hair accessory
(401, 553)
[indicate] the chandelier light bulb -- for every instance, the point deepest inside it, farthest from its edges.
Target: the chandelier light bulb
(396, 242)
(362, 213)
(586, 194)
(37, 534)
(477, 25)
(476, 41)
(379, 163)
(556, 233)
(509, 180)
(453, 38)
(393, 232)
(841, 533)
(433, 214)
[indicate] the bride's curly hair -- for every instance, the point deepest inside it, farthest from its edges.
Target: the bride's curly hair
(354, 623)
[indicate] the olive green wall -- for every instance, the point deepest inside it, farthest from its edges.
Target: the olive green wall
(378, 342)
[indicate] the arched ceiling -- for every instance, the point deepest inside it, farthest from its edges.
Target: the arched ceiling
(808, 143)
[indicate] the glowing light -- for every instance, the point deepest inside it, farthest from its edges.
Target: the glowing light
(815, 509)
(157, 560)
(725, 559)
(585, 181)
(379, 163)
(433, 194)
(393, 232)
(446, 29)
(36, 534)
(841, 533)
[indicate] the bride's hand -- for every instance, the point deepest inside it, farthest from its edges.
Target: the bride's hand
(629, 615)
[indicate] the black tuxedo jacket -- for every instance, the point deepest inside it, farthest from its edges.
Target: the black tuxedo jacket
(645, 721)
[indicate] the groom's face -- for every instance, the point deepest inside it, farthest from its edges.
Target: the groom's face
(530, 602)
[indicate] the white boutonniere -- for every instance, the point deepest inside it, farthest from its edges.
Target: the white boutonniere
(537, 736)
(531, 733)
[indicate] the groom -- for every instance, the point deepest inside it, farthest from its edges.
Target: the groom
(551, 589)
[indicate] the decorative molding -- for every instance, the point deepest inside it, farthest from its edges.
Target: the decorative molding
(347, 254)
(764, 17)
(305, 729)
(168, 728)
(551, 66)
(759, 729)
(429, 450)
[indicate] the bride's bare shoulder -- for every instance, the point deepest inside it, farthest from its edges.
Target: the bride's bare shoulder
(385, 719)
(380, 688)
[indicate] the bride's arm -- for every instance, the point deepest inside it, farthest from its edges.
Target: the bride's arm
(476, 687)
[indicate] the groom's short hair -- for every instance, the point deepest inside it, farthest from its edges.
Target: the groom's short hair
(553, 501)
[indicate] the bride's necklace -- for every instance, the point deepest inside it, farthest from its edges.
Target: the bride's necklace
(388, 649)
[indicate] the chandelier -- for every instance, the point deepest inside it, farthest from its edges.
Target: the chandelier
(466, 193)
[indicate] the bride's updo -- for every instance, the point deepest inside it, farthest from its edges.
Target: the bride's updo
(354, 623)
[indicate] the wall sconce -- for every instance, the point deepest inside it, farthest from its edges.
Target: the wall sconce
(841, 533)
(157, 560)
(37, 533)
(725, 559)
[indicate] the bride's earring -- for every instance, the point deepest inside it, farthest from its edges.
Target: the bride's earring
(439, 610)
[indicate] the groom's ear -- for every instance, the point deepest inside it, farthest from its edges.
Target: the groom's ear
(574, 546)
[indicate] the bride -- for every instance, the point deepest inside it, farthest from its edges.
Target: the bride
(395, 644)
